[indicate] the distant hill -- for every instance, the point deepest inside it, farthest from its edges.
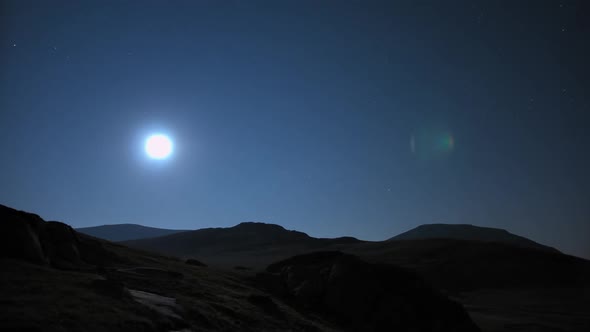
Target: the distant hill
(470, 233)
(258, 244)
(125, 232)
(448, 263)
(248, 243)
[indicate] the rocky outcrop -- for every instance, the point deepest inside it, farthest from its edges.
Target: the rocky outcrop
(360, 296)
(28, 237)
(19, 235)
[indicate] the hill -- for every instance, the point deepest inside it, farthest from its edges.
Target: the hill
(125, 232)
(468, 232)
(249, 243)
(448, 263)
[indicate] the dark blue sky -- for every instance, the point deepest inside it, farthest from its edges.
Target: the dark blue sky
(329, 117)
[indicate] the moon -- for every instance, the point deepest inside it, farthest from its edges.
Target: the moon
(158, 146)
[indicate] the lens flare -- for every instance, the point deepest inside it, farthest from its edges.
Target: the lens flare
(451, 142)
(429, 144)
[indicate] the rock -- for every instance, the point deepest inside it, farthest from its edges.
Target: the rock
(360, 296)
(19, 235)
(165, 306)
(28, 237)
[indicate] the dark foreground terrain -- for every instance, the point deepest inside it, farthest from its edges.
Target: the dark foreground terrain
(505, 281)
(56, 279)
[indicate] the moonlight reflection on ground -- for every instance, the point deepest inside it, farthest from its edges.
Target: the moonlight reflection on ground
(158, 146)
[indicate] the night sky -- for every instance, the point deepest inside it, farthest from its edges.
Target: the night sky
(330, 117)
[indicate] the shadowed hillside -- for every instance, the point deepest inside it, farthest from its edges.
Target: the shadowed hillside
(449, 263)
(363, 296)
(468, 265)
(125, 232)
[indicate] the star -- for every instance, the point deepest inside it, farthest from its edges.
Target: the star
(13, 45)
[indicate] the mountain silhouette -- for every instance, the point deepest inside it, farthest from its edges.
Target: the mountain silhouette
(248, 243)
(468, 232)
(448, 263)
(125, 232)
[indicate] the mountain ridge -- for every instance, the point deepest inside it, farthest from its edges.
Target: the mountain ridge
(256, 244)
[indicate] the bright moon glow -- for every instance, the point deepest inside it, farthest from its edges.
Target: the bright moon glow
(158, 146)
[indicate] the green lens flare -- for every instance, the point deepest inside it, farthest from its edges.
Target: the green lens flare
(431, 144)
(450, 142)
